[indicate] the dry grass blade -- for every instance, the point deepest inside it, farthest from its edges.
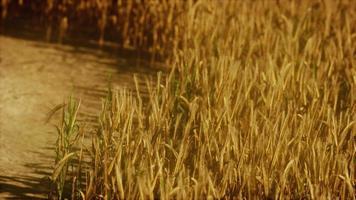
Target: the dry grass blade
(53, 111)
(59, 167)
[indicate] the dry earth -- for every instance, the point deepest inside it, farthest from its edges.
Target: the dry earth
(34, 78)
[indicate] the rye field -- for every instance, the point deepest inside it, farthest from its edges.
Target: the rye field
(258, 101)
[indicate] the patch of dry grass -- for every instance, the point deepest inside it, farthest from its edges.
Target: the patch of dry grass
(260, 103)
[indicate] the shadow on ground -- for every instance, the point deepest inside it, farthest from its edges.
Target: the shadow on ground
(22, 187)
(35, 184)
(82, 42)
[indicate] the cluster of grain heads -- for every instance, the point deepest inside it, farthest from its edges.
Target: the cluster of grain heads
(259, 104)
(217, 143)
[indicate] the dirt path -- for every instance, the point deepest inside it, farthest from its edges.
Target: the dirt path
(35, 77)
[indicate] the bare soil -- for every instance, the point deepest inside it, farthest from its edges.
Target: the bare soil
(36, 76)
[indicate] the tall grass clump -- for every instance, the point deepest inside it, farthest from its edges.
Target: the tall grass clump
(66, 150)
(259, 103)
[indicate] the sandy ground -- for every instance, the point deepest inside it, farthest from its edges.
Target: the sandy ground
(34, 78)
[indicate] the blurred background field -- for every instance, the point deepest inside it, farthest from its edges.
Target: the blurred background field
(255, 99)
(145, 25)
